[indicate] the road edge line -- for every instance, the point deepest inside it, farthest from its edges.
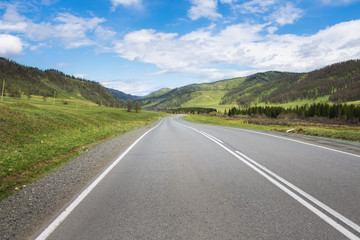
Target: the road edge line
(51, 228)
(298, 141)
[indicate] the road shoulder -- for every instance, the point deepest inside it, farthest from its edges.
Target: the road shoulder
(23, 214)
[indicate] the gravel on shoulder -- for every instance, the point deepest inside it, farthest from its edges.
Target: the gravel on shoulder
(24, 213)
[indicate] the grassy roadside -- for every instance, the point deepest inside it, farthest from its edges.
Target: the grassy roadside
(36, 139)
(344, 132)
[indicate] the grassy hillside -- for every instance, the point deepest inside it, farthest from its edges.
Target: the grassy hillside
(38, 137)
(159, 92)
(253, 87)
(209, 99)
(32, 81)
(337, 82)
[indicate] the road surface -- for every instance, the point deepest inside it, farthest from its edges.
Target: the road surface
(190, 181)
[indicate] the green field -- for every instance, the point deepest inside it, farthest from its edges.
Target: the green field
(38, 137)
(351, 133)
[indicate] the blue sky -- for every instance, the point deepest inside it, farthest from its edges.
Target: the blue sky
(138, 46)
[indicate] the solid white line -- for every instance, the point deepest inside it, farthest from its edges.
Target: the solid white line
(316, 211)
(81, 197)
(306, 195)
(297, 141)
(212, 137)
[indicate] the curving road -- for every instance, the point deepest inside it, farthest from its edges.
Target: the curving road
(190, 181)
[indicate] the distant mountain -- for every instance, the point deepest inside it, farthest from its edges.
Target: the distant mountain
(119, 95)
(29, 80)
(337, 82)
(157, 93)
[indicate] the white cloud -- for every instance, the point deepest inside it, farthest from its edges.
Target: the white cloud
(228, 1)
(126, 3)
(105, 34)
(203, 52)
(12, 21)
(10, 46)
(73, 30)
(198, 48)
(133, 86)
(256, 6)
(286, 14)
(66, 29)
(203, 8)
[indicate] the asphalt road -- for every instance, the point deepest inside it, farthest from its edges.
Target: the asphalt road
(191, 181)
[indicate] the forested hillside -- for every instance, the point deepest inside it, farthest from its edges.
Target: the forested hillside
(254, 86)
(340, 81)
(21, 79)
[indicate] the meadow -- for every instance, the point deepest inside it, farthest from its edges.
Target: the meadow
(40, 136)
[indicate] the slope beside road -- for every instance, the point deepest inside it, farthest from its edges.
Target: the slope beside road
(190, 181)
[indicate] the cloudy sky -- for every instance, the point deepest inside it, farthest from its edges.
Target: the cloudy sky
(138, 46)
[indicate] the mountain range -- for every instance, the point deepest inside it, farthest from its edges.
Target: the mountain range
(334, 83)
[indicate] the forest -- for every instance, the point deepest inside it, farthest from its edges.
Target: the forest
(338, 110)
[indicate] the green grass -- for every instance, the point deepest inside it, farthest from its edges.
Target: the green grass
(351, 133)
(209, 99)
(39, 137)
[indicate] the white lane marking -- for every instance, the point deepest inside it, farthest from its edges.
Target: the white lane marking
(297, 141)
(327, 219)
(46, 233)
(212, 137)
(293, 140)
(306, 195)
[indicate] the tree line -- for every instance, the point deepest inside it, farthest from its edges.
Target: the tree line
(330, 111)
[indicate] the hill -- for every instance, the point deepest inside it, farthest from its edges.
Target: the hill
(32, 81)
(194, 95)
(337, 82)
(159, 92)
